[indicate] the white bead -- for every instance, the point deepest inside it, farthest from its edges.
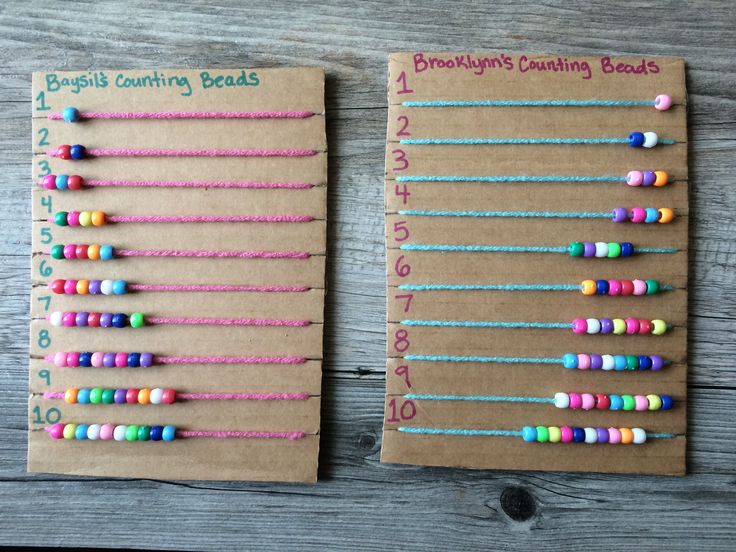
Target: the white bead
(601, 249)
(608, 362)
(119, 432)
(93, 432)
(591, 435)
(156, 395)
(640, 436)
(106, 287)
(55, 318)
(650, 139)
(594, 325)
(562, 400)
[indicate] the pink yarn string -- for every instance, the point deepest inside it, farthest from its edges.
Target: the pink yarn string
(261, 322)
(258, 289)
(188, 115)
(223, 218)
(196, 184)
(243, 396)
(98, 152)
(205, 253)
(290, 435)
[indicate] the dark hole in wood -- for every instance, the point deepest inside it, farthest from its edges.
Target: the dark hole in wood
(518, 503)
(366, 441)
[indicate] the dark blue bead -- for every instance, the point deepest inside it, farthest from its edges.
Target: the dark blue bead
(85, 359)
(157, 433)
(636, 139)
(601, 287)
(627, 249)
(645, 363)
(77, 152)
(667, 402)
(119, 320)
(578, 434)
(134, 360)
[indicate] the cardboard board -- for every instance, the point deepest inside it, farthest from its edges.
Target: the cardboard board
(430, 77)
(164, 90)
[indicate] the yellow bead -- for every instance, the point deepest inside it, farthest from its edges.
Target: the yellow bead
(662, 178)
(627, 436)
(665, 215)
(93, 252)
(655, 403)
(70, 431)
(85, 218)
(588, 287)
(71, 395)
(554, 434)
(144, 396)
(659, 327)
(82, 287)
(98, 218)
(619, 326)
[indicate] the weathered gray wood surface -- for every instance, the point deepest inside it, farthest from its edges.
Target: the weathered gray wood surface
(358, 502)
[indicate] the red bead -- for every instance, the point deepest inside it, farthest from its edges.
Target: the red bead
(168, 396)
(93, 319)
(75, 182)
(627, 287)
(64, 152)
(57, 286)
(645, 326)
(70, 251)
(602, 402)
(81, 251)
(131, 396)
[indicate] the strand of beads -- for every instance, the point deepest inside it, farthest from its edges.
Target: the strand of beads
(62, 182)
(99, 359)
(80, 218)
(618, 326)
(96, 319)
(647, 178)
(620, 287)
(157, 395)
(584, 361)
(601, 401)
(92, 252)
(589, 435)
(647, 215)
(611, 250)
(89, 287)
(111, 432)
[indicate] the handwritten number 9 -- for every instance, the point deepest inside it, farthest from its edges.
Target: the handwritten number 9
(403, 372)
(45, 375)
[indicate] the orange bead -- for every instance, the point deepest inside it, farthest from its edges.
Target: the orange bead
(627, 436)
(662, 178)
(588, 287)
(82, 287)
(665, 215)
(98, 218)
(144, 396)
(71, 395)
(93, 252)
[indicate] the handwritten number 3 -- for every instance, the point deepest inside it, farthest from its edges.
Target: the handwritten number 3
(400, 157)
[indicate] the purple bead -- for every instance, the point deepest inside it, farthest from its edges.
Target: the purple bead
(588, 249)
(602, 434)
(81, 319)
(620, 214)
(146, 360)
(108, 360)
(94, 287)
(649, 178)
(119, 396)
(657, 362)
(596, 361)
(105, 319)
(606, 325)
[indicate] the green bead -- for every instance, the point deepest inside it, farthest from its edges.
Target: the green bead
(57, 251)
(60, 218)
(632, 362)
(629, 402)
(576, 249)
(136, 320)
(542, 434)
(108, 396)
(144, 433)
(95, 395)
(614, 250)
(131, 434)
(652, 287)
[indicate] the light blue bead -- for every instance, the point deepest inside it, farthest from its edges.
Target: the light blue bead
(652, 215)
(619, 362)
(570, 360)
(529, 434)
(617, 403)
(83, 395)
(81, 432)
(106, 252)
(70, 114)
(169, 433)
(62, 182)
(119, 287)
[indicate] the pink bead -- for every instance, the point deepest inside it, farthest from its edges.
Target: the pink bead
(576, 401)
(583, 361)
(640, 287)
(106, 432)
(579, 326)
(98, 359)
(632, 326)
(70, 287)
(70, 251)
(614, 287)
(72, 218)
(589, 401)
(637, 215)
(641, 403)
(131, 396)
(662, 102)
(614, 436)
(645, 327)
(49, 182)
(121, 360)
(72, 359)
(69, 319)
(56, 431)
(60, 359)
(635, 178)
(566, 434)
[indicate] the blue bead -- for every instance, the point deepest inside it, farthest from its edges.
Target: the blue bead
(119, 287)
(134, 360)
(617, 403)
(652, 215)
(619, 362)
(601, 287)
(578, 434)
(529, 434)
(106, 252)
(81, 432)
(85, 360)
(70, 114)
(627, 249)
(645, 363)
(62, 181)
(570, 360)
(169, 433)
(77, 152)
(83, 395)
(156, 433)
(636, 139)
(119, 320)
(667, 402)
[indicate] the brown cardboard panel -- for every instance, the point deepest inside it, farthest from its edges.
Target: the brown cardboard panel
(422, 76)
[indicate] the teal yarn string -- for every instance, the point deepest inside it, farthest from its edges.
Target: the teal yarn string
(483, 248)
(478, 398)
(519, 141)
(485, 324)
(508, 214)
(497, 360)
(466, 432)
(492, 179)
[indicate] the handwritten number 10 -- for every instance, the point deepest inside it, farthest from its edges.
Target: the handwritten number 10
(406, 411)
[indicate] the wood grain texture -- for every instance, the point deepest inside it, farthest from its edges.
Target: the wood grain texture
(359, 503)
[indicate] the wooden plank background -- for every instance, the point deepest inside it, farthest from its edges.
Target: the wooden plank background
(358, 502)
